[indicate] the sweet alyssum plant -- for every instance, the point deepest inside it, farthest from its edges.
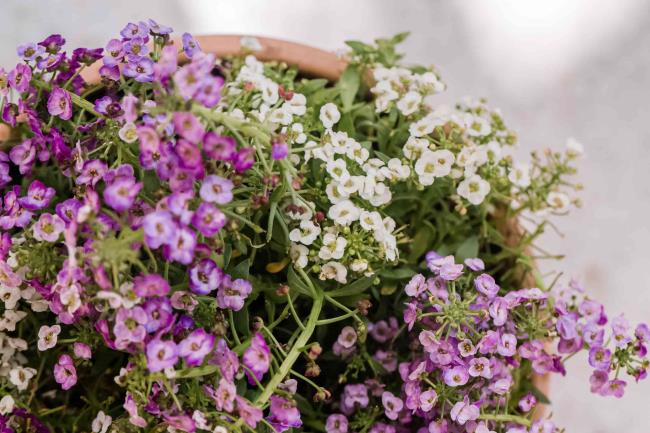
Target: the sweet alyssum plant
(205, 244)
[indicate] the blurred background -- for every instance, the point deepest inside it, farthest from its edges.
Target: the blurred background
(556, 68)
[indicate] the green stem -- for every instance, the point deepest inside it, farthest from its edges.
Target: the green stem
(506, 418)
(293, 354)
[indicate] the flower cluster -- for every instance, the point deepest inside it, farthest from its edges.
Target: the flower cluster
(191, 243)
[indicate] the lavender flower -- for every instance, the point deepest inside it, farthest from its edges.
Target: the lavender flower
(161, 355)
(65, 372)
(257, 358)
(196, 346)
(60, 104)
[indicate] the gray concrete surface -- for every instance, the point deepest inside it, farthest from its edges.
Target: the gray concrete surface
(557, 68)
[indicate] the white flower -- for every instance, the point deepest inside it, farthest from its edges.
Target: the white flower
(129, 297)
(370, 221)
(381, 195)
(574, 147)
(10, 296)
(329, 115)
(101, 423)
(409, 103)
(479, 156)
(219, 429)
(352, 185)
(333, 247)
(297, 105)
(280, 116)
(414, 147)
(384, 95)
(422, 127)
(10, 318)
(395, 170)
(343, 213)
(560, 202)
(200, 420)
(298, 132)
(299, 255)
(338, 169)
(70, 298)
(6, 404)
(269, 91)
(115, 300)
(357, 152)
(128, 133)
(359, 265)
(335, 192)
(20, 376)
(433, 164)
(306, 234)
(520, 175)
(334, 271)
(477, 126)
(47, 337)
(494, 151)
(474, 189)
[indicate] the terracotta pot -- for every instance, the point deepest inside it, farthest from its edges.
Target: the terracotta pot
(312, 62)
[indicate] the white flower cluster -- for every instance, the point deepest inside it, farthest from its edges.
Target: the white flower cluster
(269, 105)
(405, 89)
(355, 185)
(12, 361)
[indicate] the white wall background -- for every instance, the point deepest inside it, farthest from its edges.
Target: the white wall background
(557, 68)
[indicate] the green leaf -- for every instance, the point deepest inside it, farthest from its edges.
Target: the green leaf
(296, 283)
(241, 270)
(397, 274)
(421, 242)
(349, 86)
(468, 249)
(353, 288)
(308, 87)
(359, 46)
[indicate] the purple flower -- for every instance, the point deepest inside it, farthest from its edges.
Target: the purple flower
(480, 367)
(257, 358)
(486, 285)
(244, 159)
(150, 285)
(121, 193)
(132, 409)
(456, 376)
(92, 172)
(19, 78)
(466, 348)
(216, 189)
(87, 56)
(226, 359)
(448, 269)
(196, 346)
(60, 104)
(188, 126)
(114, 52)
(52, 43)
(140, 70)
(38, 196)
(65, 373)
(507, 345)
(205, 277)
(279, 150)
(210, 92)
(597, 380)
(336, 423)
(136, 48)
(30, 51)
(600, 358)
(133, 30)
(475, 264)
(158, 228)
(566, 326)
(159, 314)
(392, 405)
(208, 219)
(182, 245)
(190, 45)
(249, 413)
(427, 400)
(499, 311)
(410, 314)
(48, 228)
(82, 350)
(224, 395)
(614, 387)
(354, 396)
(283, 414)
(464, 411)
(233, 294)
(129, 326)
(416, 286)
(159, 29)
(161, 355)
(642, 332)
(219, 147)
(620, 327)
(527, 402)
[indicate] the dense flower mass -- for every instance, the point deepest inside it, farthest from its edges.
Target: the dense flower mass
(192, 243)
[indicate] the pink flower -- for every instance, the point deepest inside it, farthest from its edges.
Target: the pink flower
(188, 126)
(158, 228)
(233, 294)
(65, 373)
(208, 219)
(283, 414)
(257, 358)
(216, 189)
(336, 423)
(219, 147)
(60, 104)
(161, 354)
(507, 345)
(121, 193)
(194, 348)
(486, 285)
(456, 376)
(249, 413)
(38, 196)
(81, 350)
(150, 285)
(205, 277)
(48, 228)
(464, 411)
(129, 326)
(132, 409)
(224, 395)
(392, 405)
